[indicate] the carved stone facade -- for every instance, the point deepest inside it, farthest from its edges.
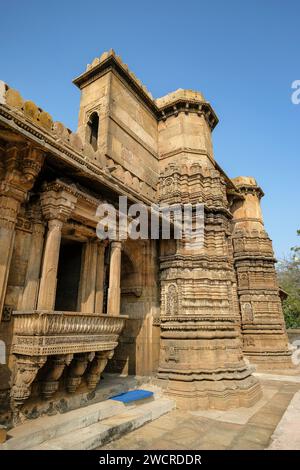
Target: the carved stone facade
(73, 306)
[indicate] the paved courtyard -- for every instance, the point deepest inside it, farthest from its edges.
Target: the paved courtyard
(244, 428)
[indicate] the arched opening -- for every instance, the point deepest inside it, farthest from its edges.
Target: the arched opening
(93, 129)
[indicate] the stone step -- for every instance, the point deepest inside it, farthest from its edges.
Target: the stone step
(35, 432)
(105, 430)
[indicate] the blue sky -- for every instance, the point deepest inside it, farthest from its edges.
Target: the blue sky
(243, 56)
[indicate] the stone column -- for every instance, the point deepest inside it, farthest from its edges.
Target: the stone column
(57, 206)
(88, 278)
(18, 170)
(29, 298)
(9, 208)
(114, 290)
(46, 299)
(100, 278)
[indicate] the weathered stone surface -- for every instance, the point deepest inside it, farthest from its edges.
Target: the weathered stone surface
(189, 307)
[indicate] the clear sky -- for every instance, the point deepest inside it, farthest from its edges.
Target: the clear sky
(243, 55)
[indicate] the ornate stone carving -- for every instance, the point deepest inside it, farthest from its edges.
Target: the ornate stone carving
(56, 365)
(7, 312)
(97, 367)
(264, 337)
(172, 300)
(26, 369)
(76, 370)
(247, 312)
(172, 354)
(61, 335)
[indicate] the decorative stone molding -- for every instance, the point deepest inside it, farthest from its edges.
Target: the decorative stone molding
(26, 369)
(77, 369)
(60, 336)
(57, 205)
(97, 367)
(191, 183)
(44, 333)
(172, 300)
(265, 341)
(56, 366)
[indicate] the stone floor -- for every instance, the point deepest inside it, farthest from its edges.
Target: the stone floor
(245, 428)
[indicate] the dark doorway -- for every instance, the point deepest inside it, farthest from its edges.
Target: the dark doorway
(68, 276)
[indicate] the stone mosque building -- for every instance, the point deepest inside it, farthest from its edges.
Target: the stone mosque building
(73, 306)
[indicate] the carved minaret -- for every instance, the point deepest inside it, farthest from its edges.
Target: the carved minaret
(265, 341)
(201, 359)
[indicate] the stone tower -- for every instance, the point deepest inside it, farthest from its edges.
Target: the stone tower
(201, 359)
(265, 341)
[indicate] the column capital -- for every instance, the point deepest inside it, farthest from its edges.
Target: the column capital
(57, 203)
(22, 164)
(9, 190)
(116, 244)
(55, 224)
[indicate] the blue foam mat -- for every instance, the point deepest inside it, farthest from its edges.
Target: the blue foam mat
(132, 395)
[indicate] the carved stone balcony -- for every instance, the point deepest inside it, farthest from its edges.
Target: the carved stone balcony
(40, 333)
(82, 342)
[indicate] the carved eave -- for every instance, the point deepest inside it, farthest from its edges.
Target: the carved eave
(189, 106)
(247, 189)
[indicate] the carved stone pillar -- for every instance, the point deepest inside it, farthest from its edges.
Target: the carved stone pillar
(100, 278)
(56, 367)
(57, 206)
(46, 299)
(29, 298)
(77, 369)
(9, 208)
(88, 278)
(19, 168)
(114, 290)
(97, 367)
(26, 369)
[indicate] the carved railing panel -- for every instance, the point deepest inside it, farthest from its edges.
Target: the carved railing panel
(85, 337)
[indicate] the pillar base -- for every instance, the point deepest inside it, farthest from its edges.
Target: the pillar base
(220, 395)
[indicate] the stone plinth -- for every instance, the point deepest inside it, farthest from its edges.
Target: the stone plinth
(202, 364)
